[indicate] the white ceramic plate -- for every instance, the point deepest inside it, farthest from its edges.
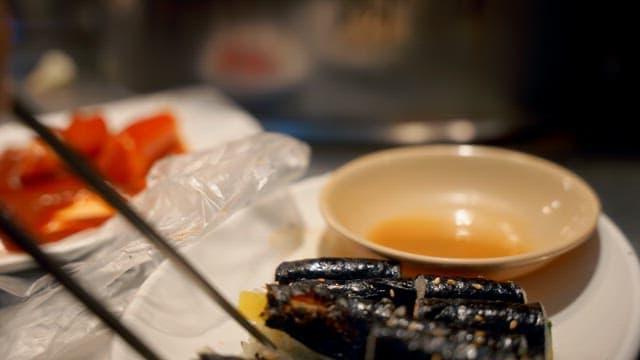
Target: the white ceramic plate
(205, 119)
(591, 293)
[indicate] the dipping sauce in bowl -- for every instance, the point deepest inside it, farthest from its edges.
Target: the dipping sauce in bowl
(462, 234)
(472, 210)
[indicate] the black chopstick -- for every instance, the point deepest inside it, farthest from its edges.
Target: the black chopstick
(86, 172)
(49, 263)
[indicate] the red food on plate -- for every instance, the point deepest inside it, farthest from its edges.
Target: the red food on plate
(51, 203)
(86, 133)
(127, 156)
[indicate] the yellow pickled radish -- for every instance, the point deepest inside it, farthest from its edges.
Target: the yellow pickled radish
(251, 304)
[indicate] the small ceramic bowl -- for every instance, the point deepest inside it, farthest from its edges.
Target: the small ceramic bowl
(472, 210)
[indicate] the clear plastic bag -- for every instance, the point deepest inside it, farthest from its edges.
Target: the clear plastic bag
(186, 198)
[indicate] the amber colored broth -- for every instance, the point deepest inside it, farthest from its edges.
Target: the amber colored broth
(447, 236)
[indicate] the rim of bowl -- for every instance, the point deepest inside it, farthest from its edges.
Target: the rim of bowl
(464, 151)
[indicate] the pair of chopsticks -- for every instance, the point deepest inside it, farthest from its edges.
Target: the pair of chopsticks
(78, 165)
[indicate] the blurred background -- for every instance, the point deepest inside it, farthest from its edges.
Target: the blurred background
(548, 77)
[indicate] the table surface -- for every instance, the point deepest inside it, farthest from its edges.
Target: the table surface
(614, 178)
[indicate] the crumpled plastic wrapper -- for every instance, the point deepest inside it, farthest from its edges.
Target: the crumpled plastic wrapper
(186, 198)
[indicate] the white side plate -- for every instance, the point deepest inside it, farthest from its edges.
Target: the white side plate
(205, 117)
(591, 294)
